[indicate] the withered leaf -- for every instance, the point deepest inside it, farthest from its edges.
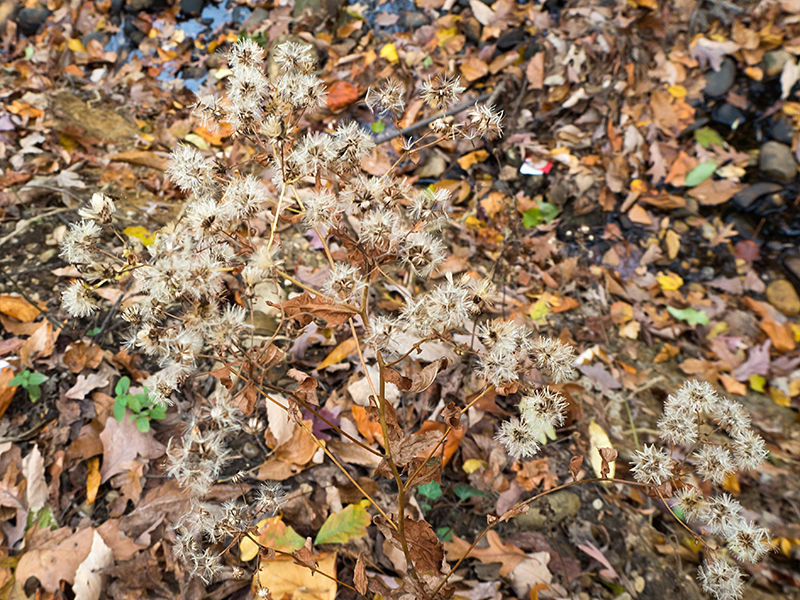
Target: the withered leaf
(432, 471)
(360, 575)
(451, 416)
(412, 445)
(305, 307)
(515, 512)
(424, 546)
(575, 466)
(403, 383)
(305, 556)
(82, 354)
(307, 390)
(424, 379)
(607, 455)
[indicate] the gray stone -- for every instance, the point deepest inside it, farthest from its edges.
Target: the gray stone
(776, 161)
(728, 114)
(415, 20)
(191, 8)
(549, 511)
(782, 295)
(29, 20)
(781, 129)
(774, 61)
(719, 82)
(135, 6)
(745, 198)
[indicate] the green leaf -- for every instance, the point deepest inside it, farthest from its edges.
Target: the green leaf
(143, 424)
(37, 378)
(29, 50)
(444, 533)
(706, 136)
(93, 331)
(465, 492)
(700, 173)
(378, 127)
(427, 62)
(544, 213)
(34, 392)
(689, 315)
(134, 404)
(158, 412)
(432, 490)
(21, 379)
(119, 411)
(350, 523)
(122, 386)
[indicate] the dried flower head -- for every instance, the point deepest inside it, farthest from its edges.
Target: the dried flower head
(100, 209)
(731, 416)
(722, 515)
(442, 91)
(714, 463)
(553, 359)
(652, 465)
(295, 57)
(270, 497)
(80, 242)
(697, 396)
(388, 98)
(720, 579)
(749, 450)
(422, 252)
(749, 542)
(245, 53)
(345, 282)
(678, 427)
(517, 437)
(77, 300)
(544, 410)
(692, 502)
(484, 121)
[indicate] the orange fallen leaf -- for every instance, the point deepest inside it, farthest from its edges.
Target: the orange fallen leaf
(780, 334)
(341, 95)
(453, 438)
(18, 307)
(338, 354)
(466, 161)
(92, 479)
(732, 386)
(371, 430)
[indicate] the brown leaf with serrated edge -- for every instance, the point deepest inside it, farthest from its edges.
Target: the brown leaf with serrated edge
(432, 471)
(305, 556)
(246, 400)
(514, 512)
(425, 378)
(424, 546)
(360, 575)
(607, 455)
(451, 416)
(305, 307)
(575, 464)
(412, 445)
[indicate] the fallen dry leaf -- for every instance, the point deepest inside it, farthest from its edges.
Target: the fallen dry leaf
(284, 578)
(18, 307)
(122, 443)
(89, 576)
(507, 555)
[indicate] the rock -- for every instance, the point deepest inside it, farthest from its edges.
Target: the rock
(549, 511)
(134, 6)
(776, 162)
(781, 129)
(771, 204)
(472, 29)
(511, 39)
(719, 82)
(774, 61)
(29, 20)
(192, 8)
(318, 9)
(240, 14)
(728, 114)
(250, 451)
(415, 20)
(792, 264)
(745, 198)
(782, 295)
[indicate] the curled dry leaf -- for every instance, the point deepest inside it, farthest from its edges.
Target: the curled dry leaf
(305, 556)
(423, 380)
(575, 464)
(360, 575)
(305, 307)
(607, 456)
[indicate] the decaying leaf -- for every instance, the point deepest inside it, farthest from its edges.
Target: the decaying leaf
(286, 579)
(341, 527)
(89, 576)
(598, 439)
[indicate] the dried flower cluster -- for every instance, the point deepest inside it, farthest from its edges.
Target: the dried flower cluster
(714, 462)
(196, 285)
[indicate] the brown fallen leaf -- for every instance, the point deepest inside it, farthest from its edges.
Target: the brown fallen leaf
(360, 575)
(89, 576)
(6, 391)
(341, 95)
(305, 307)
(507, 555)
(82, 354)
(18, 307)
(86, 384)
(40, 345)
(714, 191)
(122, 443)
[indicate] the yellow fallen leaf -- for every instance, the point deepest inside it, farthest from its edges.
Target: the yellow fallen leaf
(285, 578)
(92, 479)
(338, 354)
(539, 310)
(275, 534)
(671, 281)
(139, 233)
(598, 438)
(466, 161)
(471, 465)
(75, 45)
(389, 52)
(198, 141)
(673, 244)
(677, 91)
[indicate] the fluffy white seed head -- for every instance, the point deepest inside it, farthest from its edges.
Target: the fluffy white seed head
(714, 463)
(519, 440)
(652, 465)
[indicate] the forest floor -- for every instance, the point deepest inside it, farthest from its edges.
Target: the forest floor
(643, 205)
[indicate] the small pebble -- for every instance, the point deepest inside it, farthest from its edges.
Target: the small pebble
(597, 504)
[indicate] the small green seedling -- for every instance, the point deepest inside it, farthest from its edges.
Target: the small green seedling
(139, 404)
(31, 381)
